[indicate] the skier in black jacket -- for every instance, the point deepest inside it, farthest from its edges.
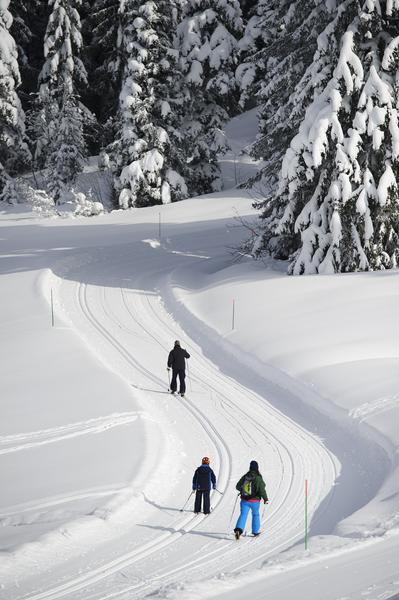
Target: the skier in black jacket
(203, 481)
(177, 361)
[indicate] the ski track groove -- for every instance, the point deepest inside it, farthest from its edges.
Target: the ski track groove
(96, 575)
(303, 434)
(255, 397)
(254, 422)
(52, 435)
(212, 382)
(233, 413)
(145, 587)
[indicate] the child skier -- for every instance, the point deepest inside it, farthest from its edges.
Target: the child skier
(203, 481)
(252, 489)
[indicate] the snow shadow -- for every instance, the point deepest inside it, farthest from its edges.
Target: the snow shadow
(215, 535)
(61, 246)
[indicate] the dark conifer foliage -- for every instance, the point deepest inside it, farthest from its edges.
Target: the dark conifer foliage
(28, 29)
(103, 60)
(14, 153)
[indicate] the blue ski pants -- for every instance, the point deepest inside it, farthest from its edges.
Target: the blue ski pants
(245, 507)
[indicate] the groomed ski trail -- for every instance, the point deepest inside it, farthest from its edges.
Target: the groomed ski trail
(124, 321)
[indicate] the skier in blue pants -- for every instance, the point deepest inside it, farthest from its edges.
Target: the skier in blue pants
(252, 489)
(246, 507)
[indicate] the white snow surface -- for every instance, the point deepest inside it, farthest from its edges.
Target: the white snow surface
(96, 458)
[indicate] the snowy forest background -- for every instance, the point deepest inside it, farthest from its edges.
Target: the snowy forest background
(148, 86)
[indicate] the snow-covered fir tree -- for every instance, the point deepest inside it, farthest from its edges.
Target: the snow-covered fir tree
(247, 8)
(28, 33)
(261, 29)
(337, 206)
(105, 75)
(14, 154)
(69, 149)
(275, 53)
(207, 39)
(60, 114)
(149, 155)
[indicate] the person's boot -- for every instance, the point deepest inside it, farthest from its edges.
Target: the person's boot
(237, 532)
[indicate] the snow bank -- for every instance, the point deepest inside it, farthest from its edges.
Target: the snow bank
(334, 339)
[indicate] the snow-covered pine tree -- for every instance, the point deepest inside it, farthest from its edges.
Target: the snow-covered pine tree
(149, 156)
(275, 53)
(207, 40)
(28, 34)
(14, 154)
(261, 28)
(247, 8)
(337, 206)
(106, 72)
(68, 156)
(61, 78)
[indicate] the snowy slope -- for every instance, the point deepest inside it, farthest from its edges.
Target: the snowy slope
(98, 458)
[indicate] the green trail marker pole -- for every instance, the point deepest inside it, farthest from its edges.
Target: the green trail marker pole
(306, 514)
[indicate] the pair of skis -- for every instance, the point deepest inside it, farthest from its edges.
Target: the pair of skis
(244, 534)
(178, 394)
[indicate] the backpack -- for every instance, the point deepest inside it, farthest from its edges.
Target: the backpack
(248, 486)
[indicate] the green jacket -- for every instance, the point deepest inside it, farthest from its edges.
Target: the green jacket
(259, 486)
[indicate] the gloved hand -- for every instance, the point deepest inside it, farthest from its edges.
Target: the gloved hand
(168, 368)
(265, 501)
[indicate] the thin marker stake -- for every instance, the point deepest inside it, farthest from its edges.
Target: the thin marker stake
(306, 514)
(52, 307)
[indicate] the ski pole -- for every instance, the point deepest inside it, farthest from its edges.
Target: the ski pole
(216, 490)
(185, 504)
(234, 507)
(189, 378)
(168, 377)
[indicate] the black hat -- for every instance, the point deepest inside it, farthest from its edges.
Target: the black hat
(177, 343)
(253, 466)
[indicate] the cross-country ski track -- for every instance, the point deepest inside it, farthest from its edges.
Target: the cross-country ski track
(99, 456)
(130, 329)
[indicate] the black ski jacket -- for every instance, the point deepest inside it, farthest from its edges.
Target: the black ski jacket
(176, 358)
